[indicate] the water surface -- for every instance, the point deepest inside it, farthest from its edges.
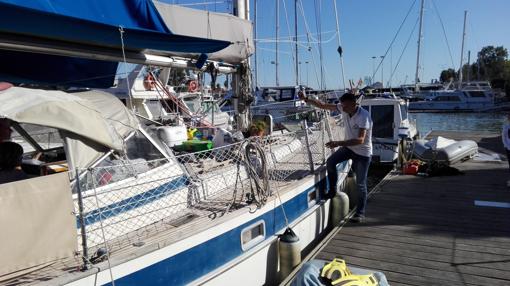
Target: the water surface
(490, 122)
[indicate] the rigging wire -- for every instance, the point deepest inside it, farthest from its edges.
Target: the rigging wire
(393, 41)
(444, 33)
(121, 32)
(291, 41)
(403, 50)
(318, 26)
(314, 63)
(339, 43)
(272, 39)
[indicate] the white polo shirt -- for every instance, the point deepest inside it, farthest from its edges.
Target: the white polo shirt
(360, 120)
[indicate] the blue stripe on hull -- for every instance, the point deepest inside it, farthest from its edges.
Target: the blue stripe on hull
(200, 260)
(133, 202)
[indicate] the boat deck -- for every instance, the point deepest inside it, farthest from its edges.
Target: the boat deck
(435, 230)
(204, 214)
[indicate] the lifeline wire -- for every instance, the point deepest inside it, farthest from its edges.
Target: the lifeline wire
(103, 233)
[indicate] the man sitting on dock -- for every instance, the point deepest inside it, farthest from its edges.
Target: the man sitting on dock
(356, 146)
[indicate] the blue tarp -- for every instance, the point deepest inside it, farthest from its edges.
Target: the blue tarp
(93, 23)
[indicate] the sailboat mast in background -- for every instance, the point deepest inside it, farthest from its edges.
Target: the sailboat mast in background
(462, 50)
(420, 36)
(296, 40)
(277, 39)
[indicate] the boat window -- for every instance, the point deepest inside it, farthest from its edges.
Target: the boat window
(447, 98)
(382, 116)
(139, 147)
(403, 111)
(141, 154)
(49, 157)
(286, 94)
(46, 137)
(168, 105)
(312, 197)
(190, 103)
(210, 106)
(252, 235)
(476, 93)
(154, 107)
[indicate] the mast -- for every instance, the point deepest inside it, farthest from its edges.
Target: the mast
(468, 75)
(241, 82)
(462, 49)
(420, 36)
(277, 38)
(322, 83)
(296, 40)
(255, 42)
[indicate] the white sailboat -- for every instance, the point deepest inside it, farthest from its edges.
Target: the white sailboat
(109, 202)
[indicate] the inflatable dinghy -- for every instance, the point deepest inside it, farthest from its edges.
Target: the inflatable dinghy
(444, 150)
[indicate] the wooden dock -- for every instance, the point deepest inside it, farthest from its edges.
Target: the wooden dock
(429, 231)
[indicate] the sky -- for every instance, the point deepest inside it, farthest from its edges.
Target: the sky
(367, 27)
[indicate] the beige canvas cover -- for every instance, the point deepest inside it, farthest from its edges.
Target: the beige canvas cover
(82, 152)
(210, 25)
(37, 222)
(113, 110)
(59, 110)
(91, 123)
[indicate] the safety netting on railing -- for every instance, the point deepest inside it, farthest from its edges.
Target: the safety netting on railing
(126, 201)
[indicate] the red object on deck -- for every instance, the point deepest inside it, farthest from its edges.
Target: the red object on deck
(5, 85)
(410, 169)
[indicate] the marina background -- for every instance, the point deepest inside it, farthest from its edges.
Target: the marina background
(490, 122)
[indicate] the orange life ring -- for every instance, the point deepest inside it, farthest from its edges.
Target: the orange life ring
(192, 86)
(149, 82)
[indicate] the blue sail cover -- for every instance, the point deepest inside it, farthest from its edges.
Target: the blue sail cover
(88, 23)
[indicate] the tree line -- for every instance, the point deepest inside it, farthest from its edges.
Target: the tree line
(491, 65)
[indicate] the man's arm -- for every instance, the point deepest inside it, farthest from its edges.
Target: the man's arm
(351, 142)
(318, 103)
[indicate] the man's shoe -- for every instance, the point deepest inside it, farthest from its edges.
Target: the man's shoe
(358, 218)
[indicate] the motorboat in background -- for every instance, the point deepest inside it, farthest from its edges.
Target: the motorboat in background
(391, 123)
(281, 102)
(469, 98)
(416, 92)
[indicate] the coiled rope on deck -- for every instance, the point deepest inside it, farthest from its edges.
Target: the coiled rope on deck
(256, 166)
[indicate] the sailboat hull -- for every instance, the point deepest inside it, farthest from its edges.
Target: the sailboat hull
(217, 256)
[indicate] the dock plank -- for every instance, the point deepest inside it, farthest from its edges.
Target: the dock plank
(428, 230)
